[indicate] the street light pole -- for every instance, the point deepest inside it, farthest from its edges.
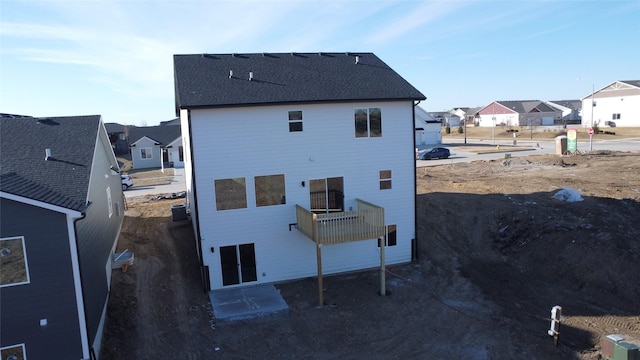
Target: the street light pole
(593, 90)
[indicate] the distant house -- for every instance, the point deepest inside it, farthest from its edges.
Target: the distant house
(427, 129)
(297, 163)
(617, 104)
(175, 121)
(466, 114)
(156, 146)
(519, 113)
(571, 110)
(62, 208)
(446, 118)
(118, 136)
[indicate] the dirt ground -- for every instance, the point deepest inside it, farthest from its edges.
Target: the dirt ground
(496, 252)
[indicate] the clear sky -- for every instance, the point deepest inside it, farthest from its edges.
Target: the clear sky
(114, 58)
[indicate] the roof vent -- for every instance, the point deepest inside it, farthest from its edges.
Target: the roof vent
(250, 75)
(230, 74)
(47, 154)
(357, 59)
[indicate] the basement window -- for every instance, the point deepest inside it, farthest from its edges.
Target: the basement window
(14, 269)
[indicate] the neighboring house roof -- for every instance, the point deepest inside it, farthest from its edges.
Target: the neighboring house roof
(163, 135)
(175, 121)
(527, 106)
(635, 83)
(3, 115)
(113, 128)
(222, 80)
(63, 179)
(569, 104)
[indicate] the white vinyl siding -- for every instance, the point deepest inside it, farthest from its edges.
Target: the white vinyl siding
(326, 148)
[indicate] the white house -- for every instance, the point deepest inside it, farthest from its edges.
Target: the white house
(297, 163)
(617, 104)
(156, 146)
(571, 110)
(519, 113)
(427, 129)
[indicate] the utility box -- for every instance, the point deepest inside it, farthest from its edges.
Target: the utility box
(561, 145)
(625, 351)
(179, 212)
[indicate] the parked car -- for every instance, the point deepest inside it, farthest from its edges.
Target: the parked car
(127, 182)
(434, 153)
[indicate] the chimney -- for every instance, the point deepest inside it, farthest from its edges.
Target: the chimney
(357, 59)
(250, 75)
(230, 74)
(47, 154)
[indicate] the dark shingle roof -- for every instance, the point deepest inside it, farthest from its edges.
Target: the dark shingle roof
(203, 80)
(163, 134)
(569, 104)
(63, 180)
(527, 106)
(635, 83)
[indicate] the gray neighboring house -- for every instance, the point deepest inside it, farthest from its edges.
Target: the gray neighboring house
(571, 110)
(62, 210)
(118, 136)
(156, 146)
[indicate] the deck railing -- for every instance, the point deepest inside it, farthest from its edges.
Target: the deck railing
(366, 222)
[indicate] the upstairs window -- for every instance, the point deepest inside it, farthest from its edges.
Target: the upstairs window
(14, 269)
(385, 179)
(615, 117)
(368, 122)
(295, 121)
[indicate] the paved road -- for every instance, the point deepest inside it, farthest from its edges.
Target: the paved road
(533, 148)
(178, 184)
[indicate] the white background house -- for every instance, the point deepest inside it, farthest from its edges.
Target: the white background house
(617, 104)
(428, 130)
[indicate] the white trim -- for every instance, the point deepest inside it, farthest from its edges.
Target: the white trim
(24, 353)
(26, 262)
(41, 204)
(75, 266)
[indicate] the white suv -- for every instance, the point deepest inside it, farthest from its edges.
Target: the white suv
(127, 182)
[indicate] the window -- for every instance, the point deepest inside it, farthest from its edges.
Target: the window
(615, 117)
(368, 122)
(270, 190)
(385, 179)
(295, 121)
(391, 235)
(109, 203)
(122, 136)
(326, 195)
(146, 153)
(14, 269)
(13, 352)
(181, 153)
(231, 194)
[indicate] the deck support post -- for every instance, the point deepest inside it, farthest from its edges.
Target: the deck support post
(319, 260)
(383, 290)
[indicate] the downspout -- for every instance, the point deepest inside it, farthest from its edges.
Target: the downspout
(206, 284)
(414, 250)
(83, 214)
